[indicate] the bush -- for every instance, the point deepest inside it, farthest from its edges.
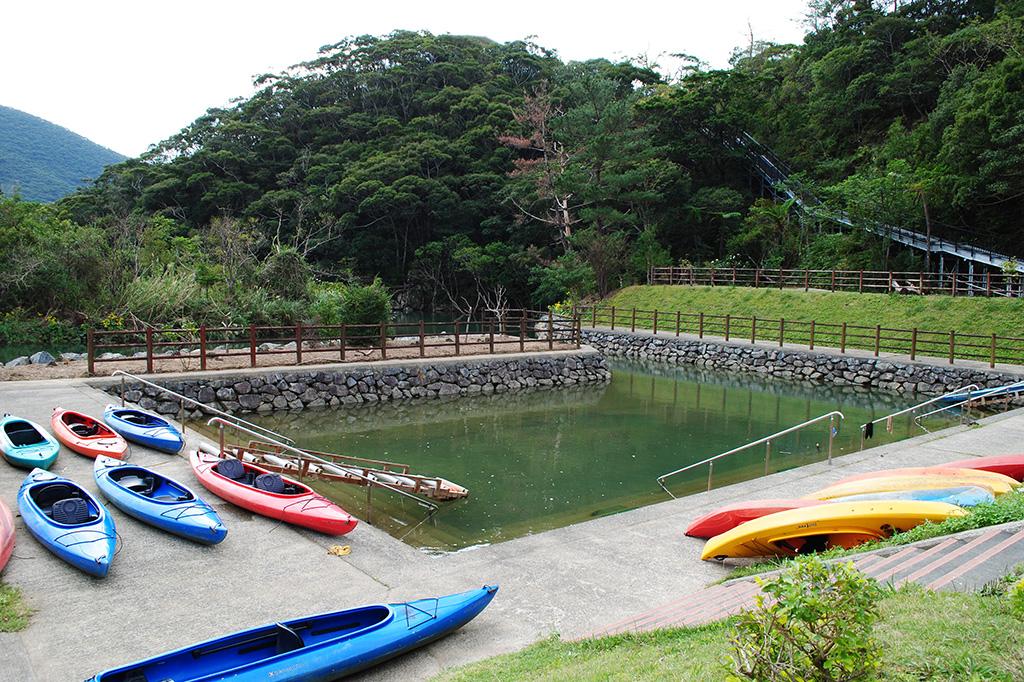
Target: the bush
(813, 622)
(1016, 596)
(365, 304)
(286, 274)
(21, 328)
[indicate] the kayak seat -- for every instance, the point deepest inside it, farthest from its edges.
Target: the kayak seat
(24, 436)
(287, 639)
(230, 468)
(85, 431)
(272, 483)
(143, 485)
(70, 511)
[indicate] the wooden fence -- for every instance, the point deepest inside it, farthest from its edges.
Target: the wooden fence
(862, 281)
(519, 329)
(948, 345)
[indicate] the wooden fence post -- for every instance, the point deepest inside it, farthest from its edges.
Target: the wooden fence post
(678, 316)
(252, 345)
(384, 340)
(952, 345)
(781, 275)
(757, 278)
(860, 282)
(988, 284)
(344, 339)
(734, 276)
(613, 317)
(753, 329)
(298, 344)
(842, 340)
(953, 277)
(551, 330)
(727, 318)
(490, 337)
(992, 354)
(149, 350)
(202, 346)
(812, 336)
(700, 328)
(833, 280)
(457, 349)
(422, 333)
(655, 321)
(807, 280)
(913, 343)
(878, 338)
(90, 351)
(782, 331)
(593, 318)
(632, 326)
(522, 333)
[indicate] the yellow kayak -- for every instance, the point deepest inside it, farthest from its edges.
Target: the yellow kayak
(810, 529)
(859, 485)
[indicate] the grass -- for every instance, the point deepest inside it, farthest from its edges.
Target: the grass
(1005, 509)
(925, 636)
(13, 612)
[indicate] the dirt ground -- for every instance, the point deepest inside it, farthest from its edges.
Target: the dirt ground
(469, 345)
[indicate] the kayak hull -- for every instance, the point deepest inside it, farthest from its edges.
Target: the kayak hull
(158, 501)
(6, 534)
(800, 531)
(858, 485)
(728, 517)
(313, 649)
(102, 441)
(144, 428)
(1007, 465)
(306, 509)
(88, 546)
(27, 445)
(965, 496)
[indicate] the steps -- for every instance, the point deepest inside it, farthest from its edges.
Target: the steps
(964, 562)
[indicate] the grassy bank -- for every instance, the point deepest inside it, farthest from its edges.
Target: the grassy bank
(939, 313)
(925, 636)
(13, 612)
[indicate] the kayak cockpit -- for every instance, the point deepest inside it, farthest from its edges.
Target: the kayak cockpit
(64, 504)
(22, 434)
(83, 426)
(236, 471)
(252, 647)
(139, 418)
(147, 484)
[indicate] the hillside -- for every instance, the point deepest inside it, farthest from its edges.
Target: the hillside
(44, 162)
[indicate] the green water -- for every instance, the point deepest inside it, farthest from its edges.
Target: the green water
(551, 458)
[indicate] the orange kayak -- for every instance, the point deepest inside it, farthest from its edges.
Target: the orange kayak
(86, 435)
(1007, 465)
(6, 534)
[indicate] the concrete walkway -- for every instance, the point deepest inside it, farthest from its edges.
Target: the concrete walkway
(163, 592)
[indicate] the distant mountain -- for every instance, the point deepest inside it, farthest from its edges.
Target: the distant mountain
(42, 161)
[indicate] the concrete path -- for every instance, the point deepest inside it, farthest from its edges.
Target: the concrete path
(163, 592)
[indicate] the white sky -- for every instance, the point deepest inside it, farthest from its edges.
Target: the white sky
(129, 73)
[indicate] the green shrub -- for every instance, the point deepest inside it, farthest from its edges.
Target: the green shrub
(1016, 596)
(813, 622)
(286, 274)
(327, 302)
(21, 328)
(365, 304)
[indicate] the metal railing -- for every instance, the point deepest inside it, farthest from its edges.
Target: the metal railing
(767, 440)
(185, 399)
(945, 396)
(983, 394)
(304, 455)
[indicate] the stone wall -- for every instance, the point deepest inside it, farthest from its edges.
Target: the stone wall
(824, 367)
(256, 391)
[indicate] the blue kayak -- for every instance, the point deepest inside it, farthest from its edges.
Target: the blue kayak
(144, 428)
(963, 496)
(68, 521)
(157, 500)
(26, 444)
(314, 648)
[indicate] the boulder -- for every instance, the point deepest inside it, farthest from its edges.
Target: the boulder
(18, 361)
(42, 358)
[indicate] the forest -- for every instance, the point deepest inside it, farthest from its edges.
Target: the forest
(459, 174)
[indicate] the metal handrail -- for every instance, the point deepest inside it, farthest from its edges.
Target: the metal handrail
(968, 388)
(302, 454)
(710, 461)
(204, 406)
(985, 393)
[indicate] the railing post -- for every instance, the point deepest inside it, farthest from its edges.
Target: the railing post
(952, 345)
(252, 345)
(767, 455)
(551, 330)
(833, 280)
(655, 321)
(727, 319)
(522, 333)
(878, 338)
(149, 350)
(781, 275)
(953, 277)
(920, 282)
(678, 316)
(711, 470)
(988, 284)
(344, 339)
(490, 338)
(122, 390)
(384, 340)
(632, 326)
(298, 344)
(831, 436)
(753, 329)
(890, 281)
(782, 331)
(860, 283)
(842, 339)
(757, 278)
(992, 354)
(812, 336)
(734, 276)
(457, 349)
(593, 318)
(202, 346)
(807, 280)
(700, 328)
(90, 351)
(913, 343)
(613, 317)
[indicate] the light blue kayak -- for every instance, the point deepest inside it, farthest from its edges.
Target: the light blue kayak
(312, 649)
(68, 521)
(27, 445)
(144, 428)
(157, 500)
(964, 496)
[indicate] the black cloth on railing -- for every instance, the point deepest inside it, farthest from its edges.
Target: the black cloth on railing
(869, 430)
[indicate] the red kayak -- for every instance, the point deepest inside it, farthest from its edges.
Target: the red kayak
(269, 494)
(728, 517)
(1007, 465)
(87, 436)
(6, 534)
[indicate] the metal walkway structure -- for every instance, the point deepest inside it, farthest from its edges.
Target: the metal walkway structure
(778, 176)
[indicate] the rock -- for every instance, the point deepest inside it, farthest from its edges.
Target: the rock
(18, 362)
(42, 358)
(110, 356)
(71, 357)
